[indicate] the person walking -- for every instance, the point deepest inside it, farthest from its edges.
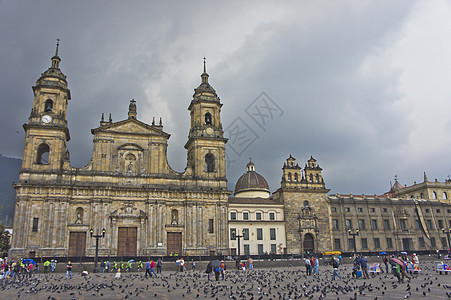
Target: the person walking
(69, 270)
(107, 266)
(148, 269)
(159, 264)
(250, 264)
(335, 264)
(193, 265)
(317, 267)
(46, 266)
(223, 268)
(152, 268)
(385, 260)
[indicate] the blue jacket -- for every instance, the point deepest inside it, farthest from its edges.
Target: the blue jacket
(363, 262)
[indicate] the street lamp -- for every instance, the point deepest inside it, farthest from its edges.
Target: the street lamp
(353, 234)
(97, 237)
(239, 245)
(447, 236)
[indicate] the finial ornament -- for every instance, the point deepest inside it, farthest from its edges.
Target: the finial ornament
(205, 65)
(57, 46)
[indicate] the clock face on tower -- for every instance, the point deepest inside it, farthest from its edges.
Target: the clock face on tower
(46, 119)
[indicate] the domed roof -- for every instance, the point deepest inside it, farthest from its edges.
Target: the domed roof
(251, 181)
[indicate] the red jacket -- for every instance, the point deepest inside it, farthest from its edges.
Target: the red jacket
(152, 264)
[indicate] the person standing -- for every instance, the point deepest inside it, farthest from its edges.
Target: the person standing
(223, 268)
(107, 266)
(307, 266)
(335, 265)
(250, 264)
(317, 267)
(102, 266)
(364, 266)
(385, 260)
(312, 265)
(69, 270)
(193, 265)
(159, 264)
(46, 266)
(415, 259)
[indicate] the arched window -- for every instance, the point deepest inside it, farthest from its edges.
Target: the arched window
(48, 105)
(422, 195)
(79, 215)
(209, 162)
(445, 195)
(43, 154)
(317, 178)
(208, 118)
(311, 177)
(289, 176)
(174, 217)
(296, 177)
(434, 195)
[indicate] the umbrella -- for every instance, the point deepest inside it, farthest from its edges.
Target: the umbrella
(30, 261)
(215, 264)
(404, 253)
(131, 260)
(382, 253)
(397, 261)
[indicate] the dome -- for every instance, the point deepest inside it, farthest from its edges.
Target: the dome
(251, 184)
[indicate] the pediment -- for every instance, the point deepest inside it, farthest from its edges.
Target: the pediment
(131, 127)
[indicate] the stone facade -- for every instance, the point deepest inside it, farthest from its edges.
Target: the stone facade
(128, 187)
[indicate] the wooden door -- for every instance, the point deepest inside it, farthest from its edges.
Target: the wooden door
(174, 243)
(77, 244)
(309, 243)
(127, 241)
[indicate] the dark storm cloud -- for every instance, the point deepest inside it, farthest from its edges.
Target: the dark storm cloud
(344, 74)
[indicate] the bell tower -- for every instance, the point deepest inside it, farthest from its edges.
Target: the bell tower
(46, 132)
(206, 142)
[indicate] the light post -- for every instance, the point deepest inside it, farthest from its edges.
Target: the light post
(447, 236)
(97, 237)
(239, 245)
(353, 234)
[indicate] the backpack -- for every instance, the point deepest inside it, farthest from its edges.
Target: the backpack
(307, 262)
(334, 263)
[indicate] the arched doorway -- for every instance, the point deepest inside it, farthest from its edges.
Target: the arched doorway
(309, 243)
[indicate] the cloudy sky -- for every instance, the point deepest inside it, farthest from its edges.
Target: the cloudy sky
(362, 86)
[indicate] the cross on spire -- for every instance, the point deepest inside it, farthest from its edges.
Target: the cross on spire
(205, 65)
(57, 46)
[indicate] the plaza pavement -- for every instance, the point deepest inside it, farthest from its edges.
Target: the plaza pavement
(261, 283)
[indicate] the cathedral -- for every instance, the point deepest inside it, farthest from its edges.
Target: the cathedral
(130, 194)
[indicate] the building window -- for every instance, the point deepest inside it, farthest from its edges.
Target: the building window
(440, 224)
(211, 226)
(208, 118)
(347, 209)
(374, 224)
(246, 250)
(351, 244)
(402, 224)
(417, 224)
(372, 209)
(348, 224)
(360, 209)
(258, 216)
(386, 224)
(428, 224)
(42, 157)
(245, 216)
(448, 211)
(377, 243)
(48, 107)
(259, 234)
(233, 216)
(260, 249)
(445, 196)
(337, 244)
(246, 234)
(35, 224)
(427, 210)
(434, 195)
(233, 234)
(209, 163)
(273, 248)
(364, 243)
(444, 242)
(384, 209)
(296, 178)
(389, 243)
(272, 216)
(272, 234)
(361, 224)
(335, 224)
(433, 244)
(421, 242)
(334, 209)
(422, 195)
(438, 211)
(289, 176)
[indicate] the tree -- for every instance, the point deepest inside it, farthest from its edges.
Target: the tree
(4, 240)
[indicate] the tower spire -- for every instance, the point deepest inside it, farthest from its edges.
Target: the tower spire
(204, 75)
(56, 59)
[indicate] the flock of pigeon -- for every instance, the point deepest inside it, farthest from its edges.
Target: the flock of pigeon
(259, 284)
